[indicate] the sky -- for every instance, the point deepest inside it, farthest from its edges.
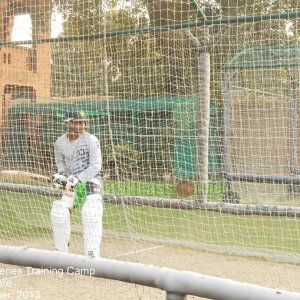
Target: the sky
(22, 29)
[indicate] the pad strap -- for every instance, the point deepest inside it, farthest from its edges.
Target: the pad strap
(92, 188)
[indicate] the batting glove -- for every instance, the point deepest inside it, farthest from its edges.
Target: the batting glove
(59, 181)
(72, 181)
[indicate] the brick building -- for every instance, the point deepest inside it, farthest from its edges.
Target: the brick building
(25, 72)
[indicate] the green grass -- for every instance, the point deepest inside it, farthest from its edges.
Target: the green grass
(19, 214)
(274, 233)
(22, 214)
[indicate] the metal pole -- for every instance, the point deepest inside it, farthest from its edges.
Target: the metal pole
(175, 296)
(179, 282)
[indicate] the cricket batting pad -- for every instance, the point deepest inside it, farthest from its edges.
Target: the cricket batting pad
(60, 221)
(92, 211)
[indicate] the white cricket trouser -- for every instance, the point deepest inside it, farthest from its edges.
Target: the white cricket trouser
(92, 211)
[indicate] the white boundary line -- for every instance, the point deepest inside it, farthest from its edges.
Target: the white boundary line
(138, 251)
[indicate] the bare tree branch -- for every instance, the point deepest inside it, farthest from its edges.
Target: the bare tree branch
(193, 40)
(219, 36)
(201, 44)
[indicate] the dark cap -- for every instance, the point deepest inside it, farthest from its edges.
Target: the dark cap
(75, 115)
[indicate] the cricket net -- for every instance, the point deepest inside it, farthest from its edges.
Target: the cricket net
(196, 108)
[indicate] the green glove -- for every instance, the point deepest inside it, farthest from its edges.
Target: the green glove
(80, 194)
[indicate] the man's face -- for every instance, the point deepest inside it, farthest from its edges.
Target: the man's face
(77, 126)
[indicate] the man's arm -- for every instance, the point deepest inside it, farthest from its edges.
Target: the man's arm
(59, 179)
(59, 159)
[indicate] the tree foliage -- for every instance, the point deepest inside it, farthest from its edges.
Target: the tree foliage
(159, 63)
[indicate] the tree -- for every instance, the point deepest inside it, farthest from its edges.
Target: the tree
(162, 62)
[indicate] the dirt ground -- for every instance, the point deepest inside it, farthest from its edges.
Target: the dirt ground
(24, 283)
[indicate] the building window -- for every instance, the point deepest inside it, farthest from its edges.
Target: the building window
(4, 58)
(9, 58)
(32, 61)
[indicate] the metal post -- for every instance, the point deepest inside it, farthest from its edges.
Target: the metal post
(175, 296)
